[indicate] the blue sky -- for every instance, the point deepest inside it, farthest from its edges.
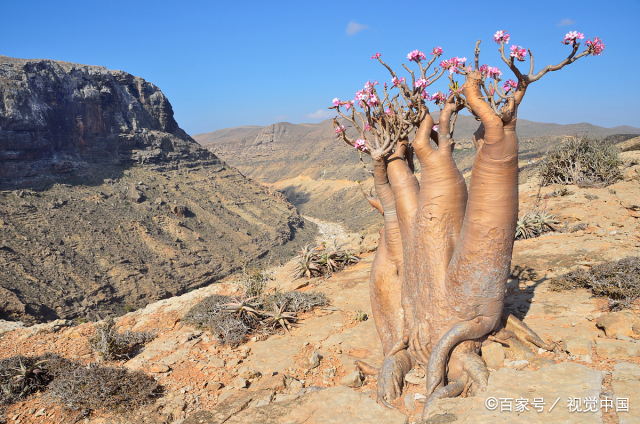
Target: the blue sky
(226, 64)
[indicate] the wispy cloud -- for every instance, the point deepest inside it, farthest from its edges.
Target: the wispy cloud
(353, 27)
(321, 114)
(566, 21)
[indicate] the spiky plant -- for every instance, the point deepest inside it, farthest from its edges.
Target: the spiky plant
(535, 222)
(280, 317)
(243, 308)
(305, 262)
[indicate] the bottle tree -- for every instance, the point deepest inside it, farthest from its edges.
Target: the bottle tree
(443, 260)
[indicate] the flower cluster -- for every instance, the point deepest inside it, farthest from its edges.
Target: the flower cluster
(396, 82)
(388, 111)
(360, 144)
(596, 46)
(518, 52)
(453, 64)
(438, 97)
(366, 95)
(416, 56)
(572, 36)
(437, 51)
(490, 72)
(339, 129)
(501, 36)
(507, 86)
(375, 56)
(421, 82)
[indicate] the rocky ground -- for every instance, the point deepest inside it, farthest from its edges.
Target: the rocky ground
(308, 375)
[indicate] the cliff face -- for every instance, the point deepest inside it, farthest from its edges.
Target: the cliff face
(56, 115)
(107, 205)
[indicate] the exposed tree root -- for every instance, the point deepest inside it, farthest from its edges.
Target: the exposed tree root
(391, 376)
(523, 333)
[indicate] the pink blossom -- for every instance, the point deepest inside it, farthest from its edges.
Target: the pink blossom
(437, 51)
(493, 72)
(501, 36)
(375, 56)
(435, 128)
(388, 111)
(372, 101)
(425, 95)
(416, 56)
(421, 82)
(348, 104)
(367, 127)
(596, 46)
(453, 64)
(572, 36)
(396, 82)
(491, 91)
(507, 86)
(336, 102)
(438, 97)
(483, 68)
(360, 144)
(339, 129)
(518, 52)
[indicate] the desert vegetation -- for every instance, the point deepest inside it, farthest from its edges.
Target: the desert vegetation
(257, 311)
(439, 275)
(618, 281)
(322, 259)
(73, 385)
(112, 344)
(584, 162)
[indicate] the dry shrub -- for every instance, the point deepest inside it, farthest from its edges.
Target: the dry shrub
(584, 162)
(95, 387)
(230, 326)
(111, 344)
(617, 280)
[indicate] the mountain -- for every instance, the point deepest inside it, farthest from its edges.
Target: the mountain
(318, 173)
(107, 205)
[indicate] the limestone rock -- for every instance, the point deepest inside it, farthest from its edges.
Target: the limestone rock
(413, 378)
(335, 405)
(354, 379)
(618, 323)
(493, 355)
(248, 373)
(577, 345)
(311, 360)
(159, 368)
(617, 349)
(272, 382)
(625, 381)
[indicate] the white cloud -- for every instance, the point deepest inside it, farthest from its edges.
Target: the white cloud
(354, 27)
(321, 114)
(566, 21)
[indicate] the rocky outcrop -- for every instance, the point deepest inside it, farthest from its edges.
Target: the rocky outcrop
(107, 205)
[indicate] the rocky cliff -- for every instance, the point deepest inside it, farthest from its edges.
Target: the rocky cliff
(107, 205)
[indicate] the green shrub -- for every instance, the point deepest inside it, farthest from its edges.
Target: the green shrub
(584, 162)
(111, 344)
(617, 280)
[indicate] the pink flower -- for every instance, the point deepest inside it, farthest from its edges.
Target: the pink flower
(501, 36)
(388, 111)
(435, 128)
(425, 95)
(396, 82)
(507, 86)
(518, 52)
(572, 36)
(421, 82)
(375, 56)
(348, 104)
(367, 127)
(491, 91)
(493, 72)
(437, 51)
(336, 102)
(483, 68)
(453, 64)
(372, 101)
(339, 129)
(438, 97)
(360, 144)
(416, 56)
(596, 46)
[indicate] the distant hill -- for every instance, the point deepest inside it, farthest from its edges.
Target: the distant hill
(318, 173)
(284, 150)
